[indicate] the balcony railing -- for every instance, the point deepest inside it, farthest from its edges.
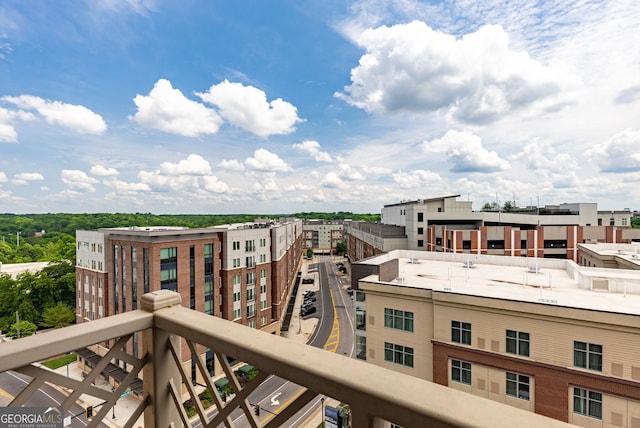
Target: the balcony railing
(373, 393)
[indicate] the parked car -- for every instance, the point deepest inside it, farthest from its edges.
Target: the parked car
(308, 311)
(350, 291)
(307, 281)
(309, 293)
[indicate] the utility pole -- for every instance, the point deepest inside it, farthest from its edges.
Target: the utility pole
(18, 238)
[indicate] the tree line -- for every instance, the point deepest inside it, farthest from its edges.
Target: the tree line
(51, 237)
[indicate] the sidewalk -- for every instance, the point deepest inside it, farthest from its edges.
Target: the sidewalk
(123, 409)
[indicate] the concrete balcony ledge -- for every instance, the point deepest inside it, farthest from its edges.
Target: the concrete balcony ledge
(373, 393)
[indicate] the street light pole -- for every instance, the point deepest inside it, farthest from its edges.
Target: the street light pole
(18, 238)
(322, 411)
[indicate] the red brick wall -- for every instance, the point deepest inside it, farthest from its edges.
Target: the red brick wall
(552, 384)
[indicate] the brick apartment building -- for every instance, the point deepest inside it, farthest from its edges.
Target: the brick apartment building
(240, 272)
(447, 224)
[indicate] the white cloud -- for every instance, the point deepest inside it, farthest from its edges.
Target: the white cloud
(102, 171)
(264, 160)
(541, 156)
(159, 182)
(187, 175)
(8, 133)
(313, 148)
(418, 178)
(124, 188)
(248, 108)
(28, 176)
(333, 181)
(78, 180)
(192, 165)
(232, 165)
(75, 117)
(167, 109)
(465, 152)
(620, 153)
(346, 172)
(213, 184)
(476, 78)
(3, 177)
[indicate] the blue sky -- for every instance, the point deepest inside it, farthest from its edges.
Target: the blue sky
(288, 106)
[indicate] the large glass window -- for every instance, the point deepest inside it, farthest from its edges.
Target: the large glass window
(361, 319)
(518, 385)
(461, 372)
(518, 343)
(397, 319)
(398, 354)
(361, 347)
(587, 356)
(461, 332)
(588, 403)
(169, 268)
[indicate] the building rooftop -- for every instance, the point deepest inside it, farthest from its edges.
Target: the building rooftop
(15, 269)
(628, 252)
(541, 281)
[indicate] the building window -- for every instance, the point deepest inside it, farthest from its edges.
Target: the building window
(236, 296)
(251, 310)
(210, 362)
(251, 278)
(461, 372)
(263, 258)
(399, 320)
(420, 216)
(587, 356)
(361, 347)
(518, 343)
(420, 243)
(236, 245)
(250, 245)
(236, 280)
(263, 242)
(420, 231)
(263, 274)
(236, 262)
(361, 323)
(251, 261)
(588, 403)
(461, 332)
(237, 314)
(398, 354)
(263, 320)
(518, 385)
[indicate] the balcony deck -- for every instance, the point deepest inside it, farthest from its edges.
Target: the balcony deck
(374, 394)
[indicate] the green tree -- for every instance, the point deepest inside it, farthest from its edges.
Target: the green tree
(309, 253)
(341, 248)
(508, 206)
(58, 316)
(27, 328)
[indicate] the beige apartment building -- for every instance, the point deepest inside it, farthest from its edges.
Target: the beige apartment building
(545, 335)
(322, 236)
